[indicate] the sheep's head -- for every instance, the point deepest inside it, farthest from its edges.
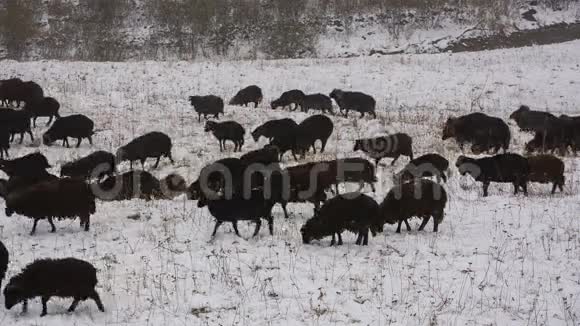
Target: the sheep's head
(336, 94)
(467, 165)
(194, 100)
(274, 105)
(449, 129)
(173, 185)
(210, 126)
(13, 295)
(256, 134)
(312, 230)
(518, 113)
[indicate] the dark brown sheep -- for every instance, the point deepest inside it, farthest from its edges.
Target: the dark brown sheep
(46, 278)
(288, 98)
(153, 144)
(423, 199)
(546, 169)
(61, 199)
(312, 129)
(129, 185)
(250, 94)
(354, 212)
(392, 146)
(4, 259)
(207, 105)
(428, 165)
(227, 130)
(484, 132)
(502, 168)
(355, 170)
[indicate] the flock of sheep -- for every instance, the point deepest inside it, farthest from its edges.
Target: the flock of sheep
(246, 188)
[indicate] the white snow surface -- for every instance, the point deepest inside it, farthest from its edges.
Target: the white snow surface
(501, 260)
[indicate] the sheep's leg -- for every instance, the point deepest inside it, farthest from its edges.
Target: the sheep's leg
(24, 306)
(79, 140)
(373, 187)
(525, 188)
(199, 117)
(485, 188)
(95, 296)
(221, 146)
(157, 162)
(34, 226)
(74, 304)
(323, 145)
(285, 210)
(333, 241)
(339, 239)
(44, 302)
(407, 225)
(399, 227)
(435, 224)
(217, 225)
(90, 138)
(270, 225)
(34, 122)
(48, 123)
(377, 160)
(374, 114)
(395, 159)
(168, 155)
(235, 225)
(21, 137)
(359, 238)
(366, 237)
(560, 185)
(52, 227)
(87, 220)
(424, 223)
(258, 226)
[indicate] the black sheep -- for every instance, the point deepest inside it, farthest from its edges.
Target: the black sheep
(4, 142)
(391, 146)
(129, 185)
(484, 132)
(423, 199)
(274, 128)
(545, 169)
(30, 164)
(228, 130)
(16, 122)
(75, 126)
(267, 155)
(288, 98)
(46, 278)
(354, 212)
(428, 165)
(47, 107)
(250, 94)
(356, 170)
(319, 102)
(502, 168)
(534, 121)
(154, 144)
(207, 105)
(240, 208)
(62, 198)
(4, 258)
(97, 164)
(355, 101)
(316, 127)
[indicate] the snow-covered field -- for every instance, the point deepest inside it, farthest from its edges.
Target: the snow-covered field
(500, 260)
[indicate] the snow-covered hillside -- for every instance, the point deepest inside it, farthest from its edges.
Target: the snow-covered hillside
(500, 260)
